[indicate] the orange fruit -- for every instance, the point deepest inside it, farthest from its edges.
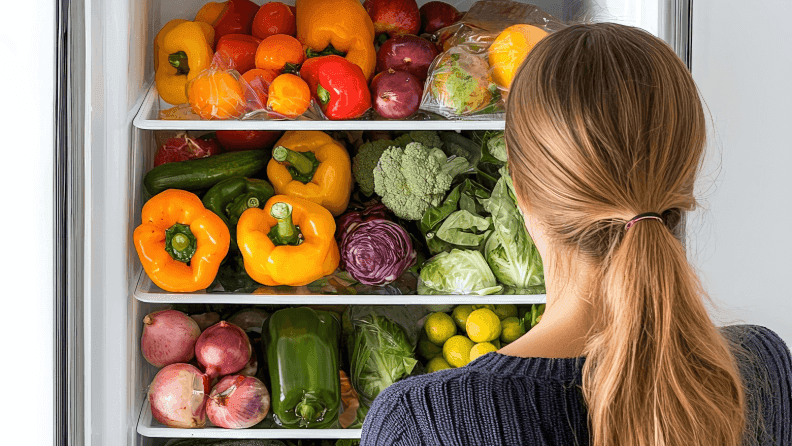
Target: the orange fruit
(276, 51)
(509, 50)
(274, 18)
(258, 82)
(289, 96)
(216, 94)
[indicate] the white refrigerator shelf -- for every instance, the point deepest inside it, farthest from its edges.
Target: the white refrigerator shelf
(147, 118)
(147, 291)
(149, 427)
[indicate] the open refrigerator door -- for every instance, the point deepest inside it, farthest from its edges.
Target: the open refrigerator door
(121, 121)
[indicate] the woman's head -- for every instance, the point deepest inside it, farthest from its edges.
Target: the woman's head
(604, 122)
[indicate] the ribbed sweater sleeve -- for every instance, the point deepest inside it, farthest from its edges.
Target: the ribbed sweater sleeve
(504, 400)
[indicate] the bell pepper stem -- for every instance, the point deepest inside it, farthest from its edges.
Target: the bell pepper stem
(309, 409)
(323, 94)
(296, 159)
(180, 243)
(179, 61)
(284, 232)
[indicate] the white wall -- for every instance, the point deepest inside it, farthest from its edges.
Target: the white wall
(743, 65)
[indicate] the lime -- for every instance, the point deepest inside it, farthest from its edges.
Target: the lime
(504, 311)
(460, 315)
(480, 349)
(439, 328)
(436, 364)
(456, 351)
(511, 330)
(426, 348)
(483, 326)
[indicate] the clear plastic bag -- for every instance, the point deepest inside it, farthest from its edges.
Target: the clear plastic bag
(468, 79)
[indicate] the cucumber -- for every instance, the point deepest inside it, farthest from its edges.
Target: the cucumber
(203, 173)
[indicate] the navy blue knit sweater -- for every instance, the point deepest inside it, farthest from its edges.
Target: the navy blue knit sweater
(506, 400)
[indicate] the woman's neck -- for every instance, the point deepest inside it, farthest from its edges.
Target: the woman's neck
(568, 317)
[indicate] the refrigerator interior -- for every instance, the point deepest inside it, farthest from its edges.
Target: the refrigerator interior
(119, 72)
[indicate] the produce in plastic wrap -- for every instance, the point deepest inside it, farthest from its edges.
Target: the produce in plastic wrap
(217, 94)
(182, 50)
(238, 402)
(396, 94)
(274, 18)
(510, 252)
(303, 352)
(510, 49)
(381, 354)
(457, 272)
(408, 53)
(349, 401)
(184, 147)
(376, 252)
(239, 50)
(459, 84)
(176, 230)
(436, 15)
(178, 396)
(258, 82)
(313, 166)
(267, 239)
(415, 178)
(394, 17)
(168, 337)
(223, 349)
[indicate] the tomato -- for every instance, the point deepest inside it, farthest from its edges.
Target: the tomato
(238, 51)
(238, 140)
(258, 82)
(274, 18)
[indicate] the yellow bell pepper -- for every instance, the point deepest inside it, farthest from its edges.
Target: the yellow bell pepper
(344, 24)
(177, 229)
(276, 252)
(183, 49)
(313, 166)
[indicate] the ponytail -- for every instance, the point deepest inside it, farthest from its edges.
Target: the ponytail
(604, 122)
(658, 373)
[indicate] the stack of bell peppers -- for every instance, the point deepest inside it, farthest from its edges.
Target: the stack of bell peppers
(246, 230)
(221, 63)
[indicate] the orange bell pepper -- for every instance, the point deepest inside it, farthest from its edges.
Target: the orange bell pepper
(313, 166)
(343, 24)
(216, 94)
(289, 242)
(177, 230)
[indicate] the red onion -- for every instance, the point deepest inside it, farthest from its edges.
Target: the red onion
(223, 349)
(238, 402)
(206, 320)
(168, 337)
(178, 396)
(249, 319)
(376, 252)
(251, 367)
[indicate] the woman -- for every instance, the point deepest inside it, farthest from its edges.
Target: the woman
(605, 134)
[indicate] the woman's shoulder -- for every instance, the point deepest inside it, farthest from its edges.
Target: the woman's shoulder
(758, 341)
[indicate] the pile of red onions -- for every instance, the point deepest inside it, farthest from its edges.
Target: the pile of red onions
(238, 402)
(169, 337)
(223, 349)
(178, 396)
(376, 252)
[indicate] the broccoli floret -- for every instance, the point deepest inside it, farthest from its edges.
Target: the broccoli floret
(365, 161)
(412, 179)
(428, 138)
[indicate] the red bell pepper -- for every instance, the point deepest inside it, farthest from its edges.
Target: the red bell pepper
(237, 52)
(338, 85)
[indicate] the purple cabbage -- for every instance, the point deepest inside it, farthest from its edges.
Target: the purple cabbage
(376, 252)
(371, 212)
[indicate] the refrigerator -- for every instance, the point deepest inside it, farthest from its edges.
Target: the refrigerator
(106, 119)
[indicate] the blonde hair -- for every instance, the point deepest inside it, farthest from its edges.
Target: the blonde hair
(604, 122)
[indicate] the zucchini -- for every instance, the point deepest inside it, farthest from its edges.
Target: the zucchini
(203, 173)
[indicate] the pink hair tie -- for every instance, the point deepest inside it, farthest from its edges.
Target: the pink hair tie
(644, 216)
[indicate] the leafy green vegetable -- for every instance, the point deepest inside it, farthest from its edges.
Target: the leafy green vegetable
(413, 179)
(496, 147)
(457, 272)
(381, 354)
(468, 196)
(463, 228)
(458, 145)
(509, 251)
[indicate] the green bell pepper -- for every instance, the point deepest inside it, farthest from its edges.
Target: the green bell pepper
(230, 198)
(302, 348)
